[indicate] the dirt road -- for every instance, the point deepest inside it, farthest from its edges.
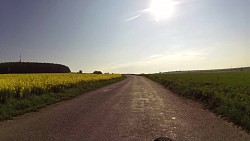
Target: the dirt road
(135, 109)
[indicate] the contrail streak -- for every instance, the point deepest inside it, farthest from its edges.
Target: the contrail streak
(130, 19)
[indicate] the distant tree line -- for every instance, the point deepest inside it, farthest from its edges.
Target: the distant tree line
(32, 67)
(97, 72)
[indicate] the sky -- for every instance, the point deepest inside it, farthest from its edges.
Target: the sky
(127, 36)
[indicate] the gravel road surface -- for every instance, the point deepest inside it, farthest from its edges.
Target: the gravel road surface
(135, 109)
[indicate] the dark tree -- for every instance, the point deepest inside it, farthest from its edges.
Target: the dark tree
(97, 72)
(31, 67)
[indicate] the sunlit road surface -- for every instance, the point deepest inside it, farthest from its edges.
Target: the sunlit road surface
(135, 109)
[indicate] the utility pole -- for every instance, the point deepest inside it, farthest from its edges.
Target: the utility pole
(20, 58)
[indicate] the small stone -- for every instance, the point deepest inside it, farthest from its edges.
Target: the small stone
(163, 139)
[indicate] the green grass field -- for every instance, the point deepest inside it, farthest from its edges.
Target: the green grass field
(227, 94)
(21, 93)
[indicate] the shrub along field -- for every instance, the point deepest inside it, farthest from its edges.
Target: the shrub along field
(20, 93)
(227, 94)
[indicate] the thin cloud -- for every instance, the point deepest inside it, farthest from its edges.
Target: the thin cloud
(166, 61)
(130, 19)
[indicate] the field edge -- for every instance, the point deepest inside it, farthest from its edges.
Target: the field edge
(208, 103)
(16, 107)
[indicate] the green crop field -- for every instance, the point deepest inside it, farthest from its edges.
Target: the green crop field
(227, 94)
(20, 93)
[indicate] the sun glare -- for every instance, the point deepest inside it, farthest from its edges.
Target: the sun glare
(162, 9)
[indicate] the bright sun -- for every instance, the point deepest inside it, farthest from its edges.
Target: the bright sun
(162, 9)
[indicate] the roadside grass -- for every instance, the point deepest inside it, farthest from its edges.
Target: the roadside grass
(14, 107)
(227, 94)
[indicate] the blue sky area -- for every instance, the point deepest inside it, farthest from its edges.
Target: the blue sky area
(127, 36)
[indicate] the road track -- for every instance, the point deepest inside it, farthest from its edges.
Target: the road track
(135, 109)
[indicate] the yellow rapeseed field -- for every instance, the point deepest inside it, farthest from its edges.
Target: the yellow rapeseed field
(22, 85)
